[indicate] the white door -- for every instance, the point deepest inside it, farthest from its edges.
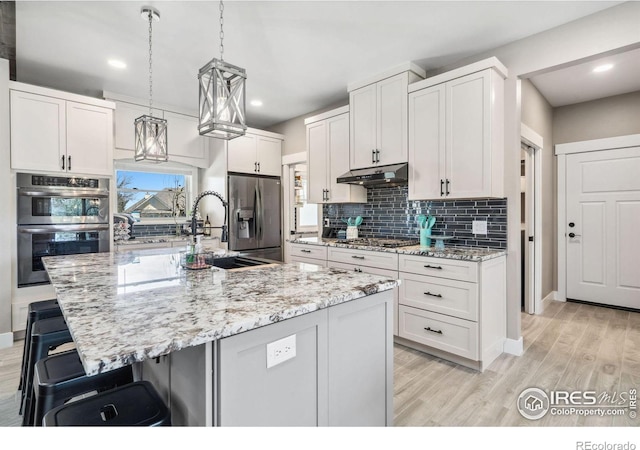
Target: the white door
(317, 162)
(183, 137)
(89, 139)
(362, 110)
(602, 226)
(338, 152)
(391, 119)
(269, 156)
(241, 154)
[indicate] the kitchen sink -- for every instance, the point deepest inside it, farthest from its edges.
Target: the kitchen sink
(238, 262)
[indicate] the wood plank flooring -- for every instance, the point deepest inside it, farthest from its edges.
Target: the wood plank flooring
(571, 346)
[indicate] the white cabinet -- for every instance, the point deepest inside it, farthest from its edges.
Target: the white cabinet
(257, 152)
(378, 119)
(310, 254)
(184, 143)
(52, 133)
(453, 309)
(456, 136)
(328, 158)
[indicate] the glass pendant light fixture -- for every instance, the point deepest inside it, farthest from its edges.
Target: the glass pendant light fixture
(151, 132)
(222, 96)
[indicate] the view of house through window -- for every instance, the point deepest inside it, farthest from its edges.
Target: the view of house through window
(152, 195)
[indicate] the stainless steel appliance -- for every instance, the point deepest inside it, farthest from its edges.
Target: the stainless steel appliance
(254, 216)
(391, 175)
(59, 216)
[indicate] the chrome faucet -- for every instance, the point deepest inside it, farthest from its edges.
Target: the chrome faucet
(194, 223)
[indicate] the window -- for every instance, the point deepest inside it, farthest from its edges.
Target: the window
(305, 215)
(153, 196)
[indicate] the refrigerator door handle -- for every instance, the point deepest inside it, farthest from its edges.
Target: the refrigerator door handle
(258, 213)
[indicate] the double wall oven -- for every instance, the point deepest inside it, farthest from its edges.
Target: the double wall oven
(59, 215)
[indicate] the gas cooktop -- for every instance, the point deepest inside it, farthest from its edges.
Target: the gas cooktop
(376, 242)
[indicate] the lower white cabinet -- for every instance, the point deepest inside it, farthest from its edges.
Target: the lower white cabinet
(310, 254)
(453, 309)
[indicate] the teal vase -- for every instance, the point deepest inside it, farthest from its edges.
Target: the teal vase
(425, 237)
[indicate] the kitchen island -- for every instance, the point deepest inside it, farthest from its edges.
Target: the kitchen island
(288, 344)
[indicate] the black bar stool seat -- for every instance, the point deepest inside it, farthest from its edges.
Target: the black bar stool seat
(60, 377)
(46, 335)
(136, 404)
(37, 310)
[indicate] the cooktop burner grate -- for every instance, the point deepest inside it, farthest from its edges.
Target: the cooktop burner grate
(375, 242)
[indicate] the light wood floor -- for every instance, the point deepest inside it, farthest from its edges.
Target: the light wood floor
(571, 346)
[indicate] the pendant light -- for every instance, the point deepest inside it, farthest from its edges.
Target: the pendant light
(222, 96)
(151, 132)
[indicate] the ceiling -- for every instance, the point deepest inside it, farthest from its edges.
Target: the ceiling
(299, 55)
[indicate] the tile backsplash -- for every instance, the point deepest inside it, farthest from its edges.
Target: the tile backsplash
(388, 214)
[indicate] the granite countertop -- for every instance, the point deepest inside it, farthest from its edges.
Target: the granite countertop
(123, 308)
(159, 239)
(461, 253)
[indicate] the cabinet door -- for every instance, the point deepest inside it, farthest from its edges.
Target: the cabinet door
(362, 111)
(124, 118)
(269, 156)
(317, 161)
(391, 120)
(38, 132)
(242, 154)
(468, 143)
(426, 142)
(183, 137)
(338, 162)
(89, 139)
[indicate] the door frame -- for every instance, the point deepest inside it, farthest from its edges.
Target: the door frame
(533, 261)
(561, 152)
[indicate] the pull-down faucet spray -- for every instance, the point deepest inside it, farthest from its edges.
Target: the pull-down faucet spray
(194, 223)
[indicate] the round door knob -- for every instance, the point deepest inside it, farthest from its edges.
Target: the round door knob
(571, 224)
(572, 235)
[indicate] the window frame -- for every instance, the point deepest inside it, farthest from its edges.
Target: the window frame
(169, 167)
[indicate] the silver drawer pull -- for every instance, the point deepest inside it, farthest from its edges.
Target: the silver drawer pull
(433, 331)
(428, 266)
(305, 251)
(433, 295)
(357, 257)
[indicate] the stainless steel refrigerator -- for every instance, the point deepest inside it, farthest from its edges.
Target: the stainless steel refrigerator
(254, 216)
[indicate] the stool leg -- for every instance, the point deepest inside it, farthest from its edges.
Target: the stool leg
(37, 353)
(25, 351)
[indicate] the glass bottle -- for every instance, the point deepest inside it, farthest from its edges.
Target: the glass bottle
(207, 227)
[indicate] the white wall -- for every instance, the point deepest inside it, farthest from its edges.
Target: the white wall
(214, 178)
(537, 114)
(6, 191)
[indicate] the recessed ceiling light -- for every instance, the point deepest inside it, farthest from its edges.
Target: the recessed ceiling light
(117, 64)
(256, 102)
(603, 68)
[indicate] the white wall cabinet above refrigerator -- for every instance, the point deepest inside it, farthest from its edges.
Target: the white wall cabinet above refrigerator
(378, 111)
(55, 131)
(184, 143)
(456, 139)
(257, 152)
(328, 158)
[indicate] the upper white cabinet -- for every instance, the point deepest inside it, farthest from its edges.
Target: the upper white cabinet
(456, 137)
(257, 152)
(74, 133)
(378, 117)
(328, 158)
(184, 144)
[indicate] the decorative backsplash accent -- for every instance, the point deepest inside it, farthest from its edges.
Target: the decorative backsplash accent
(165, 229)
(388, 214)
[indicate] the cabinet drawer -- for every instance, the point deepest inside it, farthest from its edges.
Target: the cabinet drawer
(308, 251)
(380, 260)
(446, 333)
(450, 297)
(301, 259)
(391, 274)
(439, 267)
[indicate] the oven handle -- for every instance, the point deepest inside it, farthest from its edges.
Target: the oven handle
(67, 193)
(53, 228)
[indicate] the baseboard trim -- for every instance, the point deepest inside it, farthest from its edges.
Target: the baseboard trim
(6, 340)
(514, 346)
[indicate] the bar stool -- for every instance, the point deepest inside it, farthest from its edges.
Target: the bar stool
(136, 404)
(46, 335)
(37, 311)
(60, 377)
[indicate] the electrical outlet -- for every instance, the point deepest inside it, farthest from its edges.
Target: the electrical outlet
(326, 222)
(479, 227)
(281, 351)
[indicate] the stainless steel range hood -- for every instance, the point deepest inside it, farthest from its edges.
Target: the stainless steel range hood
(391, 175)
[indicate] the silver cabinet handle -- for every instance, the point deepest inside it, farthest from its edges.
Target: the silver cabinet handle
(429, 266)
(373, 156)
(433, 331)
(433, 295)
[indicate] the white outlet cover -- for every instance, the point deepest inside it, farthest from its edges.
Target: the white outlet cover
(281, 350)
(479, 227)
